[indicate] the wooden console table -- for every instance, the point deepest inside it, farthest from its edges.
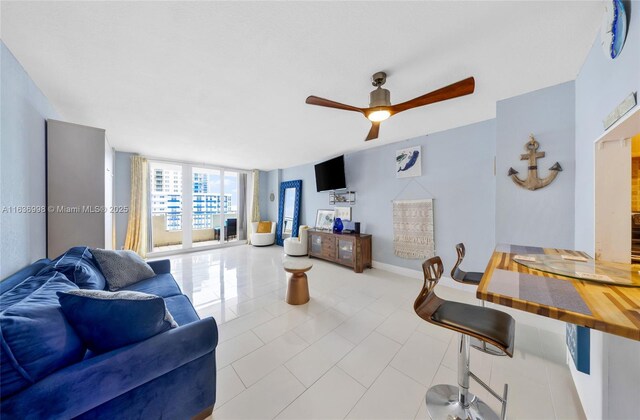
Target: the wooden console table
(350, 249)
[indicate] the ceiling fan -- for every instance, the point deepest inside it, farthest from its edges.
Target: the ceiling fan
(380, 107)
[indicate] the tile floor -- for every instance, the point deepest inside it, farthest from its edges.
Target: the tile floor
(356, 350)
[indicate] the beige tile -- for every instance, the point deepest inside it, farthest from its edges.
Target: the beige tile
(420, 357)
(386, 305)
(331, 397)
(263, 400)
(392, 396)
(565, 399)
(311, 363)
(279, 325)
(399, 326)
(369, 358)
(228, 385)
(528, 399)
(359, 326)
(236, 348)
(320, 325)
(242, 324)
(353, 304)
(258, 364)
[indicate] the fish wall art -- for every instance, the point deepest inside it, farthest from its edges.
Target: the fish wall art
(409, 162)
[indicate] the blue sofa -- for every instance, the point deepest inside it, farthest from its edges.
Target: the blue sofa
(171, 375)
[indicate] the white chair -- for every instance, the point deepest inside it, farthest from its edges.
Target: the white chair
(262, 239)
(297, 247)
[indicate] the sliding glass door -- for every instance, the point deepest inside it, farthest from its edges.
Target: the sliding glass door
(166, 206)
(207, 206)
(196, 206)
(231, 206)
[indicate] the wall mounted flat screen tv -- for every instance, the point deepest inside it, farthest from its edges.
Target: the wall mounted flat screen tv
(330, 175)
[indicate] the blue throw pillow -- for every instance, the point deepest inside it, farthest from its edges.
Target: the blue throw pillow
(109, 320)
(25, 288)
(35, 337)
(79, 265)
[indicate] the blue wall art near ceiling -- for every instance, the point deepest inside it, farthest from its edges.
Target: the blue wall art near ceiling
(614, 28)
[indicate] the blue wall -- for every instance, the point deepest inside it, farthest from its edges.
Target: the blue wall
(612, 389)
(544, 217)
(272, 186)
(22, 165)
(600, 86)
(457, 171)
(263, 201)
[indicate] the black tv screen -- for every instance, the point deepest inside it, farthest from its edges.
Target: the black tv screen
(330, 175)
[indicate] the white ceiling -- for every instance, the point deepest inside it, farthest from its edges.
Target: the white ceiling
(225, 82)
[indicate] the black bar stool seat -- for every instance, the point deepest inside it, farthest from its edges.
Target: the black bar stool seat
(472, 277)
(486, 324)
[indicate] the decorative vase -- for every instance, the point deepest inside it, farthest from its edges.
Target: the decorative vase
(337, 225)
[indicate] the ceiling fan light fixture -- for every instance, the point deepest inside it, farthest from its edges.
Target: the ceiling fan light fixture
(380, 107)
(379, 115)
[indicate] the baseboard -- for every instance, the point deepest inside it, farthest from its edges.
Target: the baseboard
(403, 271)
(416, 274)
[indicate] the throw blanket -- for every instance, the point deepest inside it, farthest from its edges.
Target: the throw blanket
(413, 229)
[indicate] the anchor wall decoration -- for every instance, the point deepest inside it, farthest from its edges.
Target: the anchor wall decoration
(532, 182)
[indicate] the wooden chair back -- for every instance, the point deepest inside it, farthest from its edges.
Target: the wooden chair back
(427, 302)
(456, 273)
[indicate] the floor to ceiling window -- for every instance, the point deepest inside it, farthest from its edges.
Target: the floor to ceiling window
(232, 216)
(166, 205)
(208, 206)
(195, 206)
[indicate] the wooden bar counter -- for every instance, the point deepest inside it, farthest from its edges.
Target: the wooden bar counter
(604, 307)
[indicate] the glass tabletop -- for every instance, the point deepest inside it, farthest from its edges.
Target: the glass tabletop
(582, 268)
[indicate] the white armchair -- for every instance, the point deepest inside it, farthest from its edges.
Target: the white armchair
(262, 239)
(297, 246)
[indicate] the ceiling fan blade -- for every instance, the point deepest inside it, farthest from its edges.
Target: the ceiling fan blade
(373, 133)
(314, 100)
(461, 88)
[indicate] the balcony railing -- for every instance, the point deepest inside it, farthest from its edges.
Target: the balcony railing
(167, 227)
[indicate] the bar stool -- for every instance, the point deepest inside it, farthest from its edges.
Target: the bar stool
(472, 278)
(489, 325)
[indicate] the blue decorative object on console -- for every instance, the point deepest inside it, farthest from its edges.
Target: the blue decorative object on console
(578, 343)
(337, 225)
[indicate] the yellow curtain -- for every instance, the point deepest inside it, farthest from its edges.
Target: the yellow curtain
(136, 239)
(255, 201)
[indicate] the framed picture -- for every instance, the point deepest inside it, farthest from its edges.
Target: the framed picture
(344, 213)
(409, 162)
(324, 220)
